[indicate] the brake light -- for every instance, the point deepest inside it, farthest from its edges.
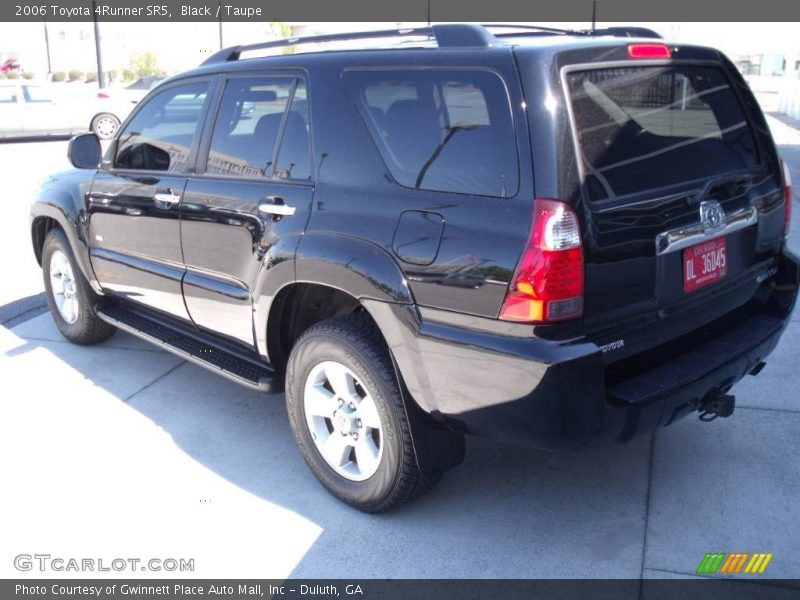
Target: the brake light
(102, 95)
(787, 193)
(548, 283)
(649, 51)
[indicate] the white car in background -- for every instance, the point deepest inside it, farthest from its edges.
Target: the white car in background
(133, 92)
(34, 109)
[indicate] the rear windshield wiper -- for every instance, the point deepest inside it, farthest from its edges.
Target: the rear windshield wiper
(451, 131)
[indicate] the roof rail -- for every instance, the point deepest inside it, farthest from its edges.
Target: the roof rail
(525, 29)
(451, 35)
(447, 35)
(641, 32)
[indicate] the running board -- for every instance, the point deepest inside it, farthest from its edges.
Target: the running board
(194, 348)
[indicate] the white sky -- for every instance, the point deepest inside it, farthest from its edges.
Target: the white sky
(72, 44)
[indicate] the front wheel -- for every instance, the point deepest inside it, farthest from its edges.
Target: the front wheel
(69, 296)
(348, 416)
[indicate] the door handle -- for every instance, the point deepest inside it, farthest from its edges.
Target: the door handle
(99, 198)
(167, 197)
(276, 207)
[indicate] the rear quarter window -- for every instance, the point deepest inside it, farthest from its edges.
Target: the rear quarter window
(441, 130)
(642, 128)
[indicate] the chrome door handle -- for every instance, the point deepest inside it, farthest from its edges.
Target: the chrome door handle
(168, 197)
(280, 210)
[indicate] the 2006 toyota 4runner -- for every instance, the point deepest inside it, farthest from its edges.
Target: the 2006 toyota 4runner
(555, 238)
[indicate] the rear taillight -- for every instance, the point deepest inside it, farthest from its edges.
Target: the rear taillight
(102, 95)
(649, 50)
(548, 283)
(787, 193)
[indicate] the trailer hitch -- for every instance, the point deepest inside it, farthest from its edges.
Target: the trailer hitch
(717, 405)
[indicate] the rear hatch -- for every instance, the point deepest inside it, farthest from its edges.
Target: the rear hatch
(679, 191)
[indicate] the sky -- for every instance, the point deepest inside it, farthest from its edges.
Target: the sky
(72, 44)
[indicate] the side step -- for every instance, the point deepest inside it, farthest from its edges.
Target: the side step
(194, 348)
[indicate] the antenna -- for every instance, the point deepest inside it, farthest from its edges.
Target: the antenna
(429, 13)
(594, 14)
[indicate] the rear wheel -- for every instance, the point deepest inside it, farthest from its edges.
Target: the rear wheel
(70, 298)
(105, 126)
(348, 416)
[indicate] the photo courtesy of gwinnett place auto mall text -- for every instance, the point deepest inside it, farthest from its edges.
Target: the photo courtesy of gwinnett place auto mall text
(432, 299)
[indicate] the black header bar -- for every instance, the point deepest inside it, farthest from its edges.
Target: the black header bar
(398, 10)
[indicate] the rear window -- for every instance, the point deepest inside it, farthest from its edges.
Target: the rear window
(641, 128)
(439, 129)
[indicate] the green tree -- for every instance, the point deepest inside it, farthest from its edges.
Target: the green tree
(278, 29)
(144, 64)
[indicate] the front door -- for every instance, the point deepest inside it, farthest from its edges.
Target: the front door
(251, 196)
(134, 204)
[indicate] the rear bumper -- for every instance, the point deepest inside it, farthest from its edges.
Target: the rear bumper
(557, 395)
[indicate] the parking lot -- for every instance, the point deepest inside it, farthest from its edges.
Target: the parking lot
(122, 450)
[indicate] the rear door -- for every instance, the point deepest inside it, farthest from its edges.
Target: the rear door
(458, 210)
(252, 191)
(681, 201)
(133, 208)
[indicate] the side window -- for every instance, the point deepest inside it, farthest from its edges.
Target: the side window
(34, 93)
(248, 125)
(294, 157)
(8, 94)
(161, 134)
(440, 129)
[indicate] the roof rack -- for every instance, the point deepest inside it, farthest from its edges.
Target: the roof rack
(528, 29)
(448, 35)
(641, 32)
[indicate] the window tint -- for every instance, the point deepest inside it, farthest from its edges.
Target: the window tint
(437, 129)
(161, 134)
(247, 126)
(8, 94)
(294, 157)
(641, 128)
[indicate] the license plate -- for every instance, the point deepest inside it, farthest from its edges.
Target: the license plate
(704, 264)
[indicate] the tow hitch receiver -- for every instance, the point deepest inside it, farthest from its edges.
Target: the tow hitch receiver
(717, 405)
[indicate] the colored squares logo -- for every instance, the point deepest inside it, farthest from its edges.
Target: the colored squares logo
(734, 563)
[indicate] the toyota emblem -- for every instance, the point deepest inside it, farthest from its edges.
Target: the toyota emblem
(712, 216)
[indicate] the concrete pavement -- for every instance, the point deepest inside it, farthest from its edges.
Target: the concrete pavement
(123, 450)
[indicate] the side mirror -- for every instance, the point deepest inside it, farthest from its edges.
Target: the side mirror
(84, 151)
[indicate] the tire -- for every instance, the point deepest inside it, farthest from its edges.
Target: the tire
(63, 283)
(105, 126)
(353, 342)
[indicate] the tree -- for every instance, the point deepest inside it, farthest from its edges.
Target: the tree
(145, 64)
(278, 29)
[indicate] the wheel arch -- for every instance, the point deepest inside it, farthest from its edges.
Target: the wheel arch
(59, 210)
(344, 271)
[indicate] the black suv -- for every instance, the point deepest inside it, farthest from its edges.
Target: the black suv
(554, 238)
